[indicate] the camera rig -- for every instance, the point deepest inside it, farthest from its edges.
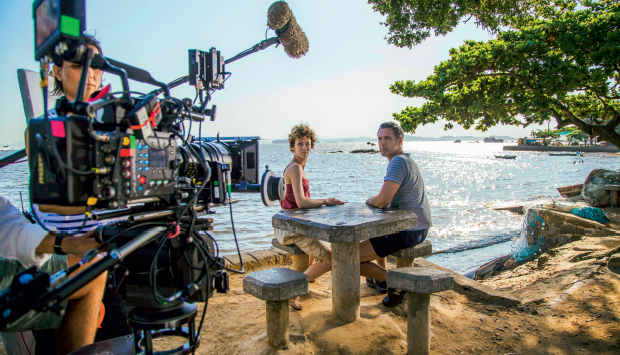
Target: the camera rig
(127, 155)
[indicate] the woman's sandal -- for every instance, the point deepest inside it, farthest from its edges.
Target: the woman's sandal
(294, 302)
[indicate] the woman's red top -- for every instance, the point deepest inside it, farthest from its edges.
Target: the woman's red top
(289, 201)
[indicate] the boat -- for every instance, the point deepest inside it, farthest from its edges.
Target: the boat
(5, 148)
(570, 191)
(457, 141)
(565, 154)
(506, 156)
(492, 139)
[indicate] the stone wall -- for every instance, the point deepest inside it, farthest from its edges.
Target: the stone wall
(559, 228)
(258, 259)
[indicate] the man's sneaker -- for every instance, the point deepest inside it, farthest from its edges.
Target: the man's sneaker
(378, 285)
(394, 297)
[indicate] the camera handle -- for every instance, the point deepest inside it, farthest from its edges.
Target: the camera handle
(36, 283)
(114, 257)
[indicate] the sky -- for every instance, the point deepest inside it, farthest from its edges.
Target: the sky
(341, 87)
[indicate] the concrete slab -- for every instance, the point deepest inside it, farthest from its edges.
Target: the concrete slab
(419, 251)
(233, 262)
(348, 223)
(265, 258)
(420, 280)
(276, 284)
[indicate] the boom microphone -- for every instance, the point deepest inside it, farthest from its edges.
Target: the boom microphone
(280, 18)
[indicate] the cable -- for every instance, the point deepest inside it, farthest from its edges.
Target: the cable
(232, 222)
(25, 344)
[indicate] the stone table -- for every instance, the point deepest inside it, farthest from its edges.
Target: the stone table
(345, 226)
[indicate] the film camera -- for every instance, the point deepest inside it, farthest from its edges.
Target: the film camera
(127, 155)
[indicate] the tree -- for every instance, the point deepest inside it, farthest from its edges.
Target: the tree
(564, 67)
(409, 22)
(573, 133)
(544, 133)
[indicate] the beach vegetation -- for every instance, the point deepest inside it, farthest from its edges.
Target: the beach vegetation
(556, 61)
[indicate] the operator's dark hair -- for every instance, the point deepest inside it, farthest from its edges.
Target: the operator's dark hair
(89, 40)
(299, 131)
(396, 128)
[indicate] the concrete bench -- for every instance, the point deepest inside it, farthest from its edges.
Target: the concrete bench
(301, 262)
(613, 194)
(405, 257)
(276, 286)
(419, 283)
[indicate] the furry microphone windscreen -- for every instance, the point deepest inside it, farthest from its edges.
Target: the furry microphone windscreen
(294, 39)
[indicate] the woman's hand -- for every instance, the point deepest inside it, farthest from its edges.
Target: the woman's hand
(333, 201)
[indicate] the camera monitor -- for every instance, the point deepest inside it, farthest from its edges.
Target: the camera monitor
(56, 21)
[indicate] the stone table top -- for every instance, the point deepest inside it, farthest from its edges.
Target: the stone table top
(348, 223)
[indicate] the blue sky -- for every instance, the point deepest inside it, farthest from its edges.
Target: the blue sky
(341, 87)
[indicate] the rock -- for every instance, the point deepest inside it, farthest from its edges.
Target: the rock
(543, 259)
(552, 230)
(563, 239)
(613, 264)
(603, 261)
(368, 151)
(553, 252)
(567, 229)
(594, 187)
(549, 241)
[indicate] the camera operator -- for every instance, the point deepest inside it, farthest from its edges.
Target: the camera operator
(72, 219)
(23, 245)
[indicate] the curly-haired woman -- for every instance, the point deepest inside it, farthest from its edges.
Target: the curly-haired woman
(301, 141)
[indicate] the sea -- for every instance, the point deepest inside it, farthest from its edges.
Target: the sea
(464, 181)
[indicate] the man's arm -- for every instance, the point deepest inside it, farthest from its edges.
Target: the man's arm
(29, 243)
(77, 246)
(384, 198)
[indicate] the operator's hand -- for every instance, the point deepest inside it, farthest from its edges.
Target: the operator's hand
(79, 245)
(333, 201)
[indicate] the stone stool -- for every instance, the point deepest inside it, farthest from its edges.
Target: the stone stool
(420, 283)
(405, 257)
(301, 262)
(276, 286)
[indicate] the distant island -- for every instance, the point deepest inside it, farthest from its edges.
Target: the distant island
(410, 138)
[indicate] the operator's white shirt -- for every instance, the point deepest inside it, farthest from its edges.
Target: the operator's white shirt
(19, 238)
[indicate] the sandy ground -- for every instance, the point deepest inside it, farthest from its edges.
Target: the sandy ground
(571, 305)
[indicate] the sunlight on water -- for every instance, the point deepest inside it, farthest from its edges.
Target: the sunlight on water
(462, 181)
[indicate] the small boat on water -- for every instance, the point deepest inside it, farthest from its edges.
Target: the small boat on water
(565, 154)
(5, 148)
(506, 156)
(457, 141)
(570, 191)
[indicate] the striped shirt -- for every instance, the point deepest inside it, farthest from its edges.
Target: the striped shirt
(69, 223)
(411, 194)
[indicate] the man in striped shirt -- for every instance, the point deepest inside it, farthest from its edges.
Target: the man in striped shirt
(403, 188)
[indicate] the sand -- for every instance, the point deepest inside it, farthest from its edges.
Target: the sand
(570, 305)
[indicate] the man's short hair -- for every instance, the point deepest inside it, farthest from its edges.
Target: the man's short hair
(89, 40)
(398, 131)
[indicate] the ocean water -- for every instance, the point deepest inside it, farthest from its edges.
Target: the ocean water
(463, 181)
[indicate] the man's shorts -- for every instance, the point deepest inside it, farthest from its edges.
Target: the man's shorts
(390, 244)
(32, 320)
